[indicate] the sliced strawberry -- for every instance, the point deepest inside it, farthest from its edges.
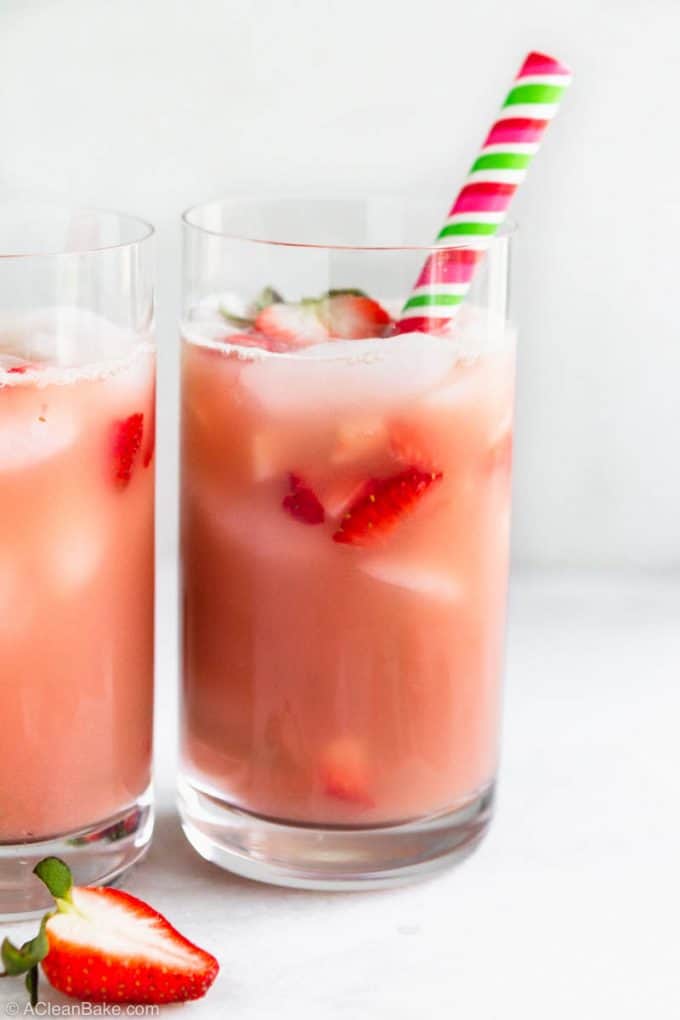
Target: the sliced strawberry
(352, 316)
(302, 502)
(297, 325)
(103, 945)
(111, 947)
(127, 440)
(382, 503)
(344, 773)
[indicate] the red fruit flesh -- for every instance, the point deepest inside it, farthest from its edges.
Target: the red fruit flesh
(112, 947)
(295, 325)
(382, 503)
(302, 502)
(344, 773)
(127, 440)
(353, 317)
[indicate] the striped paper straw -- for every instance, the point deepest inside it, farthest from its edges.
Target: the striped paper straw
(483, 202)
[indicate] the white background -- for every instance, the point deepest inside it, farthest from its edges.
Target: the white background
(151, 105)
(569, 910)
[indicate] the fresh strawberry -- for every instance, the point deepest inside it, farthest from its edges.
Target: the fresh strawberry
(344, 773)
(382, 503)
(296, 325)
(127, 440)
(351, 315)
(302, 502)
(103, 945)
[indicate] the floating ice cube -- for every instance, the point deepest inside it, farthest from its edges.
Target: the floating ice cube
(349, 374)
(74, 554)
(266, 529)
(412, 577)
(24, 444)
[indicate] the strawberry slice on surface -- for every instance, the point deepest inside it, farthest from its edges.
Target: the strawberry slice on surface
(382, 503)
(104, 945)
(127, 441)
(350, 315)
(302, 503)
(111, 947)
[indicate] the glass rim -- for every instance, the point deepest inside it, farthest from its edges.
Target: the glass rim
(506, 230)
(146, 229)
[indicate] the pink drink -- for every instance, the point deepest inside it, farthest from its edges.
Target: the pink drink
(76, 572)
(345, 683)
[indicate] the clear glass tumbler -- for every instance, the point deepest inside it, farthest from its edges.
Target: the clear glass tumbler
(77, 370)
(345, 532)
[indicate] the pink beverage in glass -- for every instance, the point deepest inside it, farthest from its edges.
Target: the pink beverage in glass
(345, 537)
(76, 594)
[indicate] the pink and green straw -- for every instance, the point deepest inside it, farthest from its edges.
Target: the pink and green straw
(483, 202)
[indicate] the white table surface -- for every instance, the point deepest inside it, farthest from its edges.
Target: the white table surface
(568, 910)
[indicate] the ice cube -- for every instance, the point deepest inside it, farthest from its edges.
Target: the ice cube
(358, 438)
(349, 374)
(25, 443)
(265, 528)
(74, 554)
(413, 577)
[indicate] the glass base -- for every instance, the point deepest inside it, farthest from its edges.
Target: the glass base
(97, 855)
(328, 858)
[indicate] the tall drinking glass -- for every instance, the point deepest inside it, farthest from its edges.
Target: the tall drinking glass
(77, 369)
(345, 531)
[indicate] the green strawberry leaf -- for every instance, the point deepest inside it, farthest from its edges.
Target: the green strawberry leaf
(265, 298)
(353, 291)
(20, 959)
(240, 321)
(56, 875)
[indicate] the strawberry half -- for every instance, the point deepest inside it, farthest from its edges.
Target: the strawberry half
(103, 945)
(127, 440)
(382, 503)
(295, 325)
(351, 315)
(302, 502)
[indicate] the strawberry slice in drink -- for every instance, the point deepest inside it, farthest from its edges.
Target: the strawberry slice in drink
(382, 503)
(344, 773)
(302, 502)
(339, 314)
(103, 945)
(352, 315)
(127, 441)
